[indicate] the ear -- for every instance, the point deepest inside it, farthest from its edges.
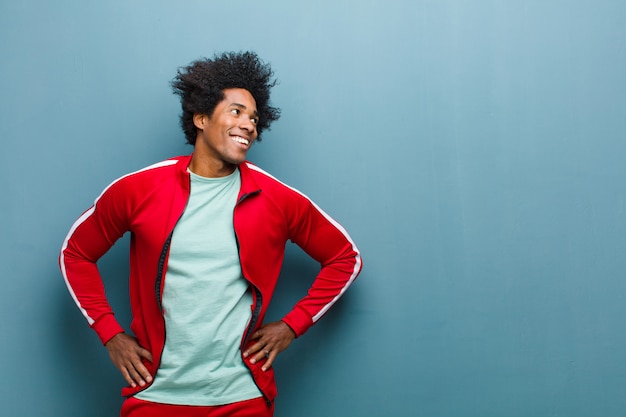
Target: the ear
(199, 120)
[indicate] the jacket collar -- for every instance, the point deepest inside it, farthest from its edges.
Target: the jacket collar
(249, 185)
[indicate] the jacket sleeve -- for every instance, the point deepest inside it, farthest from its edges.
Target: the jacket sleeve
(90, 237)
(326, 241)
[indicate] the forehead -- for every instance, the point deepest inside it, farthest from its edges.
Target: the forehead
(239, 96)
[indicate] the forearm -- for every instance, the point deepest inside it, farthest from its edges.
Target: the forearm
(89, 238)
(327, 242)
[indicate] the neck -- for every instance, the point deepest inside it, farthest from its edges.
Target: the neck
(209, 168)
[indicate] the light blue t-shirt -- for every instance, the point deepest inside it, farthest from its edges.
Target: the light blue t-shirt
(206, 304)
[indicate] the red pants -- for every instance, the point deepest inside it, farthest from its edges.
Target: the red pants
(256, 407)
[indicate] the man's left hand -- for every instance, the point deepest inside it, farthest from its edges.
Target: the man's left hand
(271, 339)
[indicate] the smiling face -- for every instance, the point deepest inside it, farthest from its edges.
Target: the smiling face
(225, 136)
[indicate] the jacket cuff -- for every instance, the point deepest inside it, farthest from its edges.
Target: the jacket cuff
(106, 327)
(298, 320)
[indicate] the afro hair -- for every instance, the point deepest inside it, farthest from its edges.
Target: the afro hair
(201, 86)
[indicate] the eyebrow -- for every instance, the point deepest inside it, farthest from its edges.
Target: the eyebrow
(241, 106)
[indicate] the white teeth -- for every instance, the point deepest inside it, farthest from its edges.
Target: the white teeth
(241, 140)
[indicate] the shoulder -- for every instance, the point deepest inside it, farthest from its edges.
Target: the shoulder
(287, 199)
(268, 182)
(158, 168)
(146, 175)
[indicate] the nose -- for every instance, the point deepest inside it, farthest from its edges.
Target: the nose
(245, 123)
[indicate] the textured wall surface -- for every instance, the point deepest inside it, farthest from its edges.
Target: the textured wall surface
(474, 150)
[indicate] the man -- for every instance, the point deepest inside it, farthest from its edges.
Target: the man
(208, 233)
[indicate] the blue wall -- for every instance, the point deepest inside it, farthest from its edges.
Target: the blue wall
(474, 150)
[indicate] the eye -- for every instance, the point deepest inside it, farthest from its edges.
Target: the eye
(235, 111)
(254, 120)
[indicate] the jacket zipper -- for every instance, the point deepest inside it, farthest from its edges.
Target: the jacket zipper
(257, 303)
(160, 277)
(258, 297)
(163, 256)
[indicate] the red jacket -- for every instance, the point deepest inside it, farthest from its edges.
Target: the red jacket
(149, 202)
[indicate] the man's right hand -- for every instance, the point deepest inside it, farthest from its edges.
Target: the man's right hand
(126, 355)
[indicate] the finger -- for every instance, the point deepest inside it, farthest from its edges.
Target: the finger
(264, 353)
(143, 373)
(127, 377)
(136, 375)
(270, 360)
(141, 368)
(145, 353)
(253, 349)
(126, 369)
(134, 371)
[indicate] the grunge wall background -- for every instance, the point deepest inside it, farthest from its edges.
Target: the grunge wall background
(474, 150)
